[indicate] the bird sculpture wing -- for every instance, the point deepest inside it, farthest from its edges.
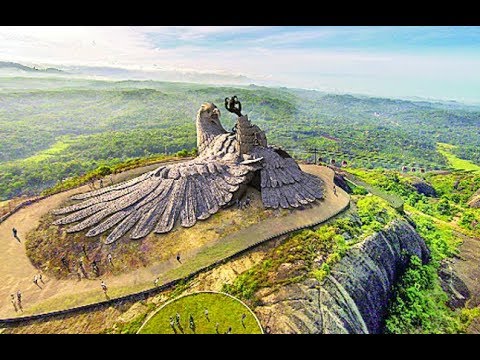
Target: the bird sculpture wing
(188, 191)
(283, 183)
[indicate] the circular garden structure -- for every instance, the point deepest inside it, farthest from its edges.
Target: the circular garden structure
(224, 312)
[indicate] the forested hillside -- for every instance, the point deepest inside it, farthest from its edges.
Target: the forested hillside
(54, 128)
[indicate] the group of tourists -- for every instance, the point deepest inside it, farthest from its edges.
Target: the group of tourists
(91, 184)
(38, 278)
(80, 270)
(17, 301)
(175, 323)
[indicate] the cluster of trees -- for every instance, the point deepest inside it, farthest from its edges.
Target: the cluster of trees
(453, 192)
(104, 123)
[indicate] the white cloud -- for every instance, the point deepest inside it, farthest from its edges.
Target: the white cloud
(254, 57)
(75, 45)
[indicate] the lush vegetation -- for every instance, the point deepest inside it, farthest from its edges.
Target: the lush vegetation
(222, 309)
(52, 129)
(455, 161)
(312, 252)
(56, 134)
(419, 303)
(453, 191)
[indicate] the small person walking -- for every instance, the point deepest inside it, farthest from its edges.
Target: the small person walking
(177, 319)
(110, 259)
(172, 324)
(65, 263)
(80, 264)
(84, 249)
(95, 268)
(178, 258)
(104, 287)
(191, 323)
(35, 281)
(41, 278)
(334, 190)
(206, 314)
(82, 268)
(155, 282)
(216, 328)
(15, 234)
(12, 299)
(19, 298)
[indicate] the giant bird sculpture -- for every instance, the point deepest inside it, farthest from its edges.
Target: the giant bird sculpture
(193, 190)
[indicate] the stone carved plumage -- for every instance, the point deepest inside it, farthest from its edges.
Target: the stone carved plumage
(195, 189)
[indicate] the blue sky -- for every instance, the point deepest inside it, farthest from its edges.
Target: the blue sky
(371, 38)
(432, 62)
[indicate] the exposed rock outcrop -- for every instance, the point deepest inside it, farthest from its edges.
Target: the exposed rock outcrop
(457, 291)
(424, 188)
(354, 297)
(474, 201)
(340, 181)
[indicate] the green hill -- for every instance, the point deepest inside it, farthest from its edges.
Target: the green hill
(54, 128)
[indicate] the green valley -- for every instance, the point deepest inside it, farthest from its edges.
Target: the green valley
(53, 128)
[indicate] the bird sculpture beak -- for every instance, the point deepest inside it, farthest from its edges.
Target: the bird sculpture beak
(216, 112)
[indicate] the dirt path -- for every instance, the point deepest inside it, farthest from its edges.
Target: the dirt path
(17, 272)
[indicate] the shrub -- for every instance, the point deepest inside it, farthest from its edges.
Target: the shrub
(419, 303)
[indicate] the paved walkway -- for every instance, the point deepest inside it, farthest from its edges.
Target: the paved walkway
(16, 271)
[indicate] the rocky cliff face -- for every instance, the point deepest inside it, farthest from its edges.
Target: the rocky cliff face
(474, 201)
(354, 297)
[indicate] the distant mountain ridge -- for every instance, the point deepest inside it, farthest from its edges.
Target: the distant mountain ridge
(120, 73)
(14, 65)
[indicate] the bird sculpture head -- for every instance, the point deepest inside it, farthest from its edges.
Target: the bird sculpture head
(208, 124)
(209, 114)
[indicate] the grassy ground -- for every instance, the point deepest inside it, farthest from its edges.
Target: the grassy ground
(222, 309)
(454, 161)
(53, 150)
(395, 201)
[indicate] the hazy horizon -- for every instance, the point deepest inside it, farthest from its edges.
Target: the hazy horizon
(441, 63)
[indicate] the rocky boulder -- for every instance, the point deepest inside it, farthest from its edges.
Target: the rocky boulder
(354, 297)
(456, 290)
(424, 188)
(474, 201)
